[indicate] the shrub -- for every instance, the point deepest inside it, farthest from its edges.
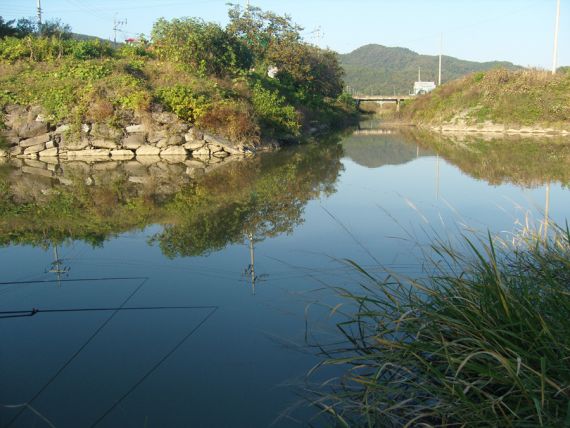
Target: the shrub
(274, 112)
(182, 101)
(233, 119)
(202, 46)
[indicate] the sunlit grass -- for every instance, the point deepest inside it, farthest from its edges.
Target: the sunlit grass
(484, 340)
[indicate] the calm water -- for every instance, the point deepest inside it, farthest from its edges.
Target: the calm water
(168, 297)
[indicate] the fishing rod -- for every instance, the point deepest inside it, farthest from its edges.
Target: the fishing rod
(34, 311)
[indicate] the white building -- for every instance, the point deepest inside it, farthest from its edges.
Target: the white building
(423, 87)
(420, 87)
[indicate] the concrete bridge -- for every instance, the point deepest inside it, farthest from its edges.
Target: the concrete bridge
(382, 99)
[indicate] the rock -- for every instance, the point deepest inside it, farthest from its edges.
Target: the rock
(203, 152)
(37, 171)
(176, 140)
(35, 163)
(3, 160)
(179, 128)
(76, 168)
(215, 148)
(221, 155)
(174, 151)
(15, 151)
(89, 181)
(40, 139)
(175, 159)
(3, 153)
(105, 132)
(62, 129)
(194, 135)
(41, 118)
(194, 145)
(149, 159)
(148, 150)
(226, 144)
(193, 163)
(156, 135)
(74, 144)
(133, 141)
(9, 136)
(50, 145)
(33, 129)
(50, 161)
(65, 181)
(134, 168)
(135, 129)
(104, 144)
(162, 143)
(85, 128)
(92, 154)
(104, 166)
(139, 180)
(122, 154)
(34, 149)
(164, 118)
(49, 152)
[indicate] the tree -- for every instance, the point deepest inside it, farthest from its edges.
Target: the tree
(261, 30)
(203, 46)
(55, 28)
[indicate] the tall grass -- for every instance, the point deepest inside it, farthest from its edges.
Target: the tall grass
(483, 341)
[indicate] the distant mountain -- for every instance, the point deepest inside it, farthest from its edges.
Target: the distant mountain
(382, 70)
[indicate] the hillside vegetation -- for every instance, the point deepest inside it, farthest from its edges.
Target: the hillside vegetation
(213, 77)
(529, 98)
(382, 70)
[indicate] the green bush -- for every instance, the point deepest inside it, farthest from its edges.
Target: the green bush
(91, 49)
(202, 46)
(274, 112)
(182, 101)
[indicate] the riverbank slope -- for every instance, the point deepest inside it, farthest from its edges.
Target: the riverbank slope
(498, 101)
(192, 78)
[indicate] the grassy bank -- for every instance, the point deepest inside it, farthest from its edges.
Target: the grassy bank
(212, 77)
(483, 341)
(528, 98)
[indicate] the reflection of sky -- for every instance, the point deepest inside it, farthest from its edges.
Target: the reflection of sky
(242, 357)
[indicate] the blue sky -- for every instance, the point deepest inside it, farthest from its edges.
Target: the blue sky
(520, 31)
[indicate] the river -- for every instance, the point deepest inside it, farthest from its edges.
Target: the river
(156, 295)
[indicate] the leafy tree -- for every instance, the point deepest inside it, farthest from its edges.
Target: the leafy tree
(203, 46)
(7, 28)
(260, 30)
(55, 28)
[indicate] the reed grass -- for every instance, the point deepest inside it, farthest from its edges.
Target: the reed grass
(482, 341)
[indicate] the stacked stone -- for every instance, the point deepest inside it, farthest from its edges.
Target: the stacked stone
(30, 136)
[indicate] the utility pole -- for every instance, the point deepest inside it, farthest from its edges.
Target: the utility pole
(440, 55)
(39, 12)
(556, 31)
(116, 27)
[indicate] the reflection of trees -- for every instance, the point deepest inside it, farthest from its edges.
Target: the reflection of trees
(263, 196)
(528, 162)
(259, 200)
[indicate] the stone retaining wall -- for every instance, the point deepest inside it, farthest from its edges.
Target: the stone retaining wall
(29, 134)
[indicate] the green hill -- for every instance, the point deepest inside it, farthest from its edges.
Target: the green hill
(382, 70)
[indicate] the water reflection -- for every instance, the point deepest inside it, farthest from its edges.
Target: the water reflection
(272, 207)
(201, 209)
(523, 161)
